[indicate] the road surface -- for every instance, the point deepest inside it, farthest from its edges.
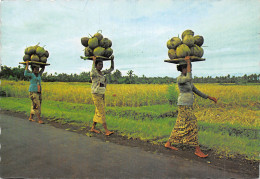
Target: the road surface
(32, 150)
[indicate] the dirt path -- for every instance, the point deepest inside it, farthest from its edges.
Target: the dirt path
(29, 149)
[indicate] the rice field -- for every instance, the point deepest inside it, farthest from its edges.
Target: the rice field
(236, 103)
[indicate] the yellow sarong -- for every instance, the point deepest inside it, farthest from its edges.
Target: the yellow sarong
(99, 101)
(185, 130)
(36, 102)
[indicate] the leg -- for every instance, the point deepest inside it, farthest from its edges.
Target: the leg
(199, 153)
(107, 132)
(31, 117)
(93, 128)
(32, 107)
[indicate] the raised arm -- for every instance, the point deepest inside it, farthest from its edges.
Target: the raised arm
(188, 77)
(26, 71)
(42, 70)
(93, 72)
(111, 67)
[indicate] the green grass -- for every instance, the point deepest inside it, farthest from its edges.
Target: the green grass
(149, 123)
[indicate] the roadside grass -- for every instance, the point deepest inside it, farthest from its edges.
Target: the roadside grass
(150, 124)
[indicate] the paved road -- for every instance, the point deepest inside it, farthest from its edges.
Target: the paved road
(29, 149)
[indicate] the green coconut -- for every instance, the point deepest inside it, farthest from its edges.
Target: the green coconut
(183, 51)
(173, 43)
(93, 42)
(40, 51)
(188, 40)
(46, 54)
(26, 57)
(31, 50)
(172, 54)
(199, 40)
(187, 32)
(35, 58)
(196, 51)
(88, 52)
(105, 43)
(84, 41)
(26, 51)
(108, 52)
(99, 51)
(99, 36)
(43, 59)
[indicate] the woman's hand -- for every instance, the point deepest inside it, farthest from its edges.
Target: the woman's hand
(213, 99)
(112, 57)
(187, 59)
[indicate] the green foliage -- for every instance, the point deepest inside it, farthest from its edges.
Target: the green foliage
(172, 94)
(225, 139)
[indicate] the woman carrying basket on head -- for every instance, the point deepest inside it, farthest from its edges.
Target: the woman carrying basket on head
(185, 130)
(98, 89)
(35, 90)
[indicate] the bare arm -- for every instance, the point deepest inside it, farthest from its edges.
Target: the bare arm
(111, 67)
(94, 72)
(42, 70)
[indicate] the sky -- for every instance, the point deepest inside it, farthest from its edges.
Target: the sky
(139, 31)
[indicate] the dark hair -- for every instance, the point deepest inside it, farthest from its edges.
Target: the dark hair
(180, 67)
(97, 61)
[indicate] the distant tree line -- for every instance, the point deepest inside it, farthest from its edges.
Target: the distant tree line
(17, 73)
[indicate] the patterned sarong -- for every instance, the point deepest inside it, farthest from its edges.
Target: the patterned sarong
(36, 102)
(185, 130)
(99, 101)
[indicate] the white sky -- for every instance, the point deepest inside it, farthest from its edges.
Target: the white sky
(139, 30)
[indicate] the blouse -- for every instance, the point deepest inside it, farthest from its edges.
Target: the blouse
(98, 80)
(186, 87)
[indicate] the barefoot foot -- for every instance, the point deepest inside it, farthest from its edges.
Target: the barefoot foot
(168, 145)
(94, 130)
(201, 154)
(30, 119)
(40, 122)
(108, 133)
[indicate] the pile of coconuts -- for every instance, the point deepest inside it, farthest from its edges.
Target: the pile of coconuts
(36, 54)
(189, 45)
(97, 45)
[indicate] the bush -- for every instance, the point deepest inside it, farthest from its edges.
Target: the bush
(172, 94)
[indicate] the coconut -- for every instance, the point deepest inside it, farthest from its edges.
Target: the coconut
(46, 54)
(172, 54)
(99, 36)
(40, 51)
(84, 41)
(26, 57)
(43, 59)
(173, 43)
(105, 43)
(183, 51)
(35, 58)
(88, 52)
(187, 32)
(31, 50)
(93, 42)
(199, 40)
(196, 51)
(108, 52)
(99, 51)
(26, 51)
(188, 40)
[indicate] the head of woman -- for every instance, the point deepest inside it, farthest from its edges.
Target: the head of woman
(182, 68)
(99, 64)
(35, 69)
